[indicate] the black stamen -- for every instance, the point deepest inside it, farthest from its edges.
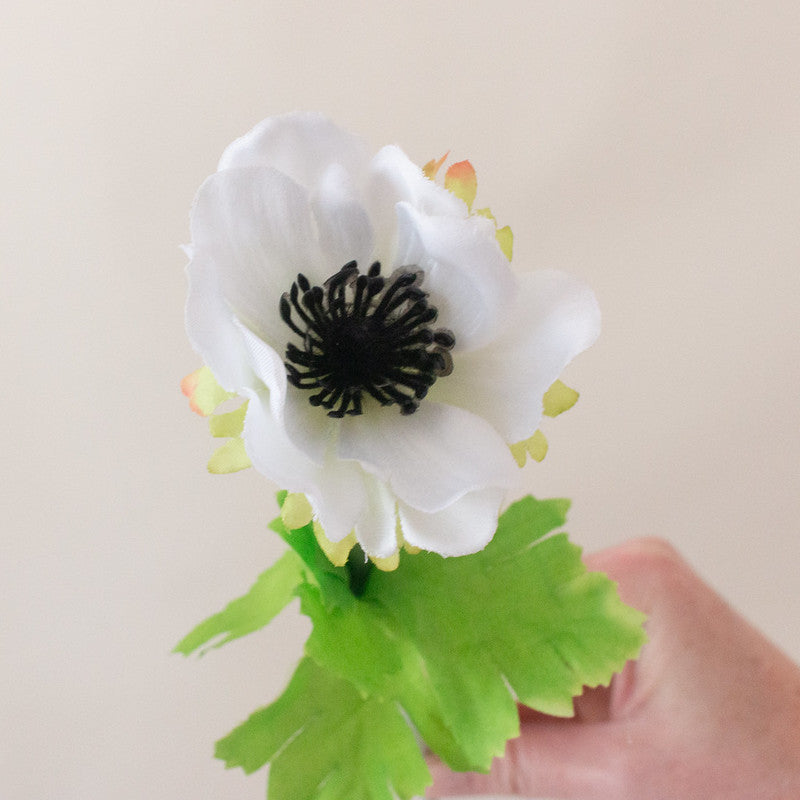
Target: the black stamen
(444, 338)
(363, 333)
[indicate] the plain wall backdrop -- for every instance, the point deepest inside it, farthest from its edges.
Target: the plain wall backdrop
(651, 148)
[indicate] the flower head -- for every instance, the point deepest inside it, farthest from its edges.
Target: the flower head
(388, 352)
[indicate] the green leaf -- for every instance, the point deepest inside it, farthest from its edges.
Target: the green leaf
(444, 645)
(268, 596)
(446, 638)
(325, 741)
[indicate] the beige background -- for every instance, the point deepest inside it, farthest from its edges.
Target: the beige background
(651, 148)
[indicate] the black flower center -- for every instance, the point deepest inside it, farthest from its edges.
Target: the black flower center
(365, 333)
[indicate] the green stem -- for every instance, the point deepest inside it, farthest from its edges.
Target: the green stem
(359, 568)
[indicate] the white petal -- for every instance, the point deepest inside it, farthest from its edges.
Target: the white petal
(309, 427)
(466, 274)
(555, 317)
(345, 232)
(431, 457)
(394, 178)
(340, 498)
(272, 452)
(254, 226)
(336, 490)
(268, 366)
(212, 328)
(376, 530)
(465, 526)
(301, 145)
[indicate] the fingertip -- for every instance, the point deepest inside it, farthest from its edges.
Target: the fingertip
(447, 783)
(633, 555)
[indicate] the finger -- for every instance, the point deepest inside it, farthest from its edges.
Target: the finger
(564, 759)
(637, 567)
(594, 705)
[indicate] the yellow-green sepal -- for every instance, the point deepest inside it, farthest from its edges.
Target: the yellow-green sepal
(460, 179)
(558, 399)
(229, 424)
(536, 447)
(231, 457)
(204, 392)
(505, 238)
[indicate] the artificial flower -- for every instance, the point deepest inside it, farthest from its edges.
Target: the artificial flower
(388, 352)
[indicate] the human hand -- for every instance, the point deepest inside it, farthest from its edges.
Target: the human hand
(711, 709)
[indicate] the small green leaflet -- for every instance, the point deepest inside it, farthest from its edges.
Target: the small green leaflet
(326, 741)
(451, 644)
(274, 588)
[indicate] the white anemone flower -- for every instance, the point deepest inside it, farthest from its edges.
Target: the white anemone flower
(388, 352)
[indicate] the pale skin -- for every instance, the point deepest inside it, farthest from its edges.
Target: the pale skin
(711, 710)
